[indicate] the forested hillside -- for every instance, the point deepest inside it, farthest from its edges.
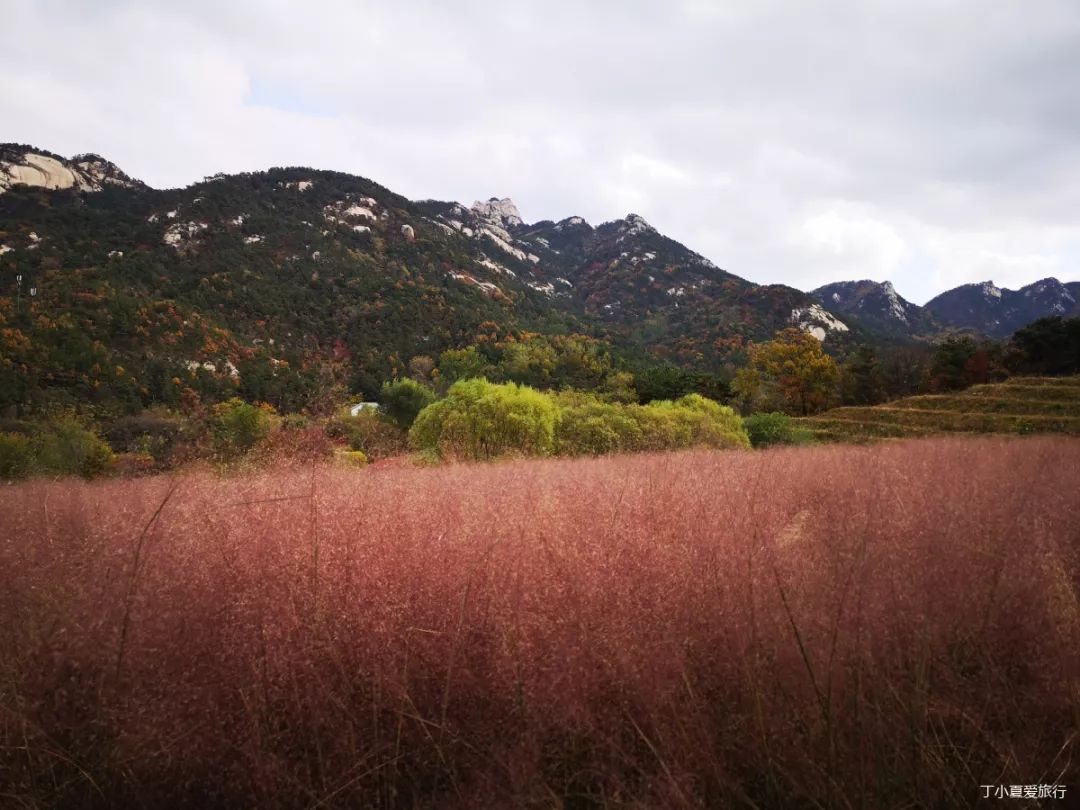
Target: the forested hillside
(298, 287)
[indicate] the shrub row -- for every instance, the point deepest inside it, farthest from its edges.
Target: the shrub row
(596, 427)
(767, 429)
(482, 420)
(64, 448)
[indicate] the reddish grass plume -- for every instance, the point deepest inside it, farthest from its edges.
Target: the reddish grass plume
(886, 626)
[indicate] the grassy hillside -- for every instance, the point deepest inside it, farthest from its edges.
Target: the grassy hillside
(842, 627)
(1022, 405)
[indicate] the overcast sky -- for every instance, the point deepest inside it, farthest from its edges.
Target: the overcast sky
(928, 143)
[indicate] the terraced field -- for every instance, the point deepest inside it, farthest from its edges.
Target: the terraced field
(1022, 405)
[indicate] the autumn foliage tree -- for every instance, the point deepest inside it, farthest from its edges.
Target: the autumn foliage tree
(238, 426)
(794, 368)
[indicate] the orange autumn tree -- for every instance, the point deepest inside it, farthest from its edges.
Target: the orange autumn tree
(794, 368)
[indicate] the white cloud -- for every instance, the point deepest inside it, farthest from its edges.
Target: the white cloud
(1011, 258)
(636, 165)
(851, 238)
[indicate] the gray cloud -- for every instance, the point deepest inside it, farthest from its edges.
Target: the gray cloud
(928, 143)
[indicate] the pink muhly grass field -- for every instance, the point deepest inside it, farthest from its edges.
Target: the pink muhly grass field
(889, 626)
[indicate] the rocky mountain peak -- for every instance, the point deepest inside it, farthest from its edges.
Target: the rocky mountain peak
(1046, 286)
(816, 321)
(502, 212)
(1051, 295)
(571, 222)
(24, 165)
(877, 305)
(635, 223)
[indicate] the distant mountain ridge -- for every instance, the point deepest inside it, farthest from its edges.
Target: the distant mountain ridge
(998, 312)
(981, 308)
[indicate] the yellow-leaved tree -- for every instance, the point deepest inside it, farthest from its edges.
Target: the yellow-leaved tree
(794, 368)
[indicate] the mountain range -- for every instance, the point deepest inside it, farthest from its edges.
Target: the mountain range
(982, 309)
(302, 269)
(998, 312)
